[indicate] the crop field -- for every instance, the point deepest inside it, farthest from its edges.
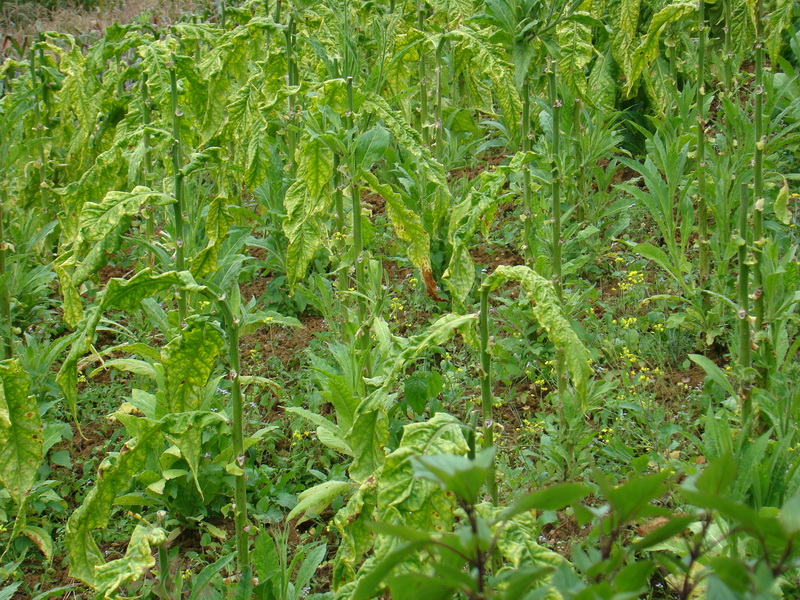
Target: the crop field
(410, 300)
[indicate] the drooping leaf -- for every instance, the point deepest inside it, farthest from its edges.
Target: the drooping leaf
(306, 202)
(315, 499)
(550, 316)
(138, 558)
(21, 434)
(187, 363)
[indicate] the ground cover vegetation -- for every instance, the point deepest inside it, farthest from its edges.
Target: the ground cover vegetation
(447, 299)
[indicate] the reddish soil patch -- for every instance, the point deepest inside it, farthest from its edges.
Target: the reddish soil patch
(255, 288)
(287, 344)
(376, 202)
(112, 271)
(493, 257)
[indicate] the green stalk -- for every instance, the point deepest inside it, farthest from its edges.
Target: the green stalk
(577, 149)
(727, 69)
(744, 305)
(240, 492)
(527, 198)
(355, 198)
(556, 103)
(278, 11)
(338, 201)
(163, 569)
(702, 205)
(240, 460)
(423, 86)
(486, 387)
(177, 162)
(438, 110)
(758, 160)
(6, 343)
(147, 172)
(40, 127)
(290, 78)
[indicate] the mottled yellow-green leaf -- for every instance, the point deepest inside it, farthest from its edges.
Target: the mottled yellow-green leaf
(21, 434)
(575, 40)
(315, 499)
(188, 362)
(73, 309)
(625, 34)
(306, 202)
(123, 294)
(94, 513)
(781, 205)
(99, 220)
(550, 316)
(407, 225)
(647, 51)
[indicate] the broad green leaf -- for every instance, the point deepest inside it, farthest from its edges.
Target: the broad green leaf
(367, 438)
(95, 512)
(370, 147)
(98, 221)
(552, 498)
(185, 430)
(21, 433)
(575, 41)
(781, 205)
(138, 558)
(408, 226)
(306, 202)
(550, 316)
(625, 33)
(714, 372)
(315, 499)
(647, 50)
(187, 362)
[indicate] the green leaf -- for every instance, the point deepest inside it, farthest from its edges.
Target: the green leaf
(781, 205)
(714, 372)
(552, 498)
(94, 513)
(370, 147)
(138, 558)
(551, 317)
(188, 362)
(306, 202)
(315, 499)
(21, 432)
(408, 226)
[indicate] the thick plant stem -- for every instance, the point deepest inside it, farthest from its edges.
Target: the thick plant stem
(291, 81)
(727, 61)
(355, 198)
(758, 164)
(6, 345)
(702, 205)
(577, 149)
(486, 388)
(423, 85)
(177, 162)
(147, 170)
(556, 103)
(240, 493)
(438, 111)
(40, 129)
(744, 305)
(338, 201)
(527, 200)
